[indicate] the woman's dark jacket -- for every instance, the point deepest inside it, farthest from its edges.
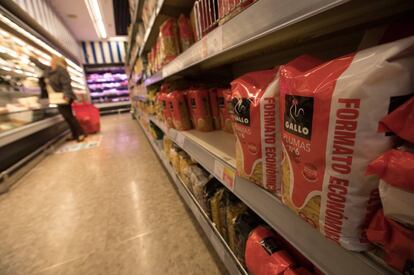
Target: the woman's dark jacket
(59, 79)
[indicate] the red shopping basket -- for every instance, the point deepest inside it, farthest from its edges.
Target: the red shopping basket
(88, 117)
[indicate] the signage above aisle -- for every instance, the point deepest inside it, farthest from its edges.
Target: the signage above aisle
(103, 52)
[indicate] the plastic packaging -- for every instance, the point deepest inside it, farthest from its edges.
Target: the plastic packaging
(330, 134)
(180, 115)
(215, 112)
(200, 109)
(396, 240)
(401, 120)
(185, 32)
(226, 109)
(169, 45)
(255, 98)
(264, 256)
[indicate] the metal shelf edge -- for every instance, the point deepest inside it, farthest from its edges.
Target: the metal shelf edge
(23, 131)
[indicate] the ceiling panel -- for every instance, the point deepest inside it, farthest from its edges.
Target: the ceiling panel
(74, 14)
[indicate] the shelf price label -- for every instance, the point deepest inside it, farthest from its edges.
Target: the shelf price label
(224, 174)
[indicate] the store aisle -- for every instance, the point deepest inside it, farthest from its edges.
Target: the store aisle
(106, 210)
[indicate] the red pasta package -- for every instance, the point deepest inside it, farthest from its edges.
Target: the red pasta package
(226, 109)
(330, 113)
(255, 98)
(396, 240)
(264, 255)
(167, 107)
(169, 46)
(185, 33)
(200, 110)
(180, 115)
(401, 121)
(215, 112)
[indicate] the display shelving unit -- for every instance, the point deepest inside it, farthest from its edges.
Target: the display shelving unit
(266, 27)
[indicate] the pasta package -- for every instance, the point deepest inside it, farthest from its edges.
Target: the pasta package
(166, 103)
(215, 112)
(255, 98)
(330, 114)
(234, 209)
(185, 32)
(200, 109)
(218, 211)
(226, 109)
(169, 46)
(179, 112)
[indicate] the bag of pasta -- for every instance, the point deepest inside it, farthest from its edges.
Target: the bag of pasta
(226, 109)
(185, 32)
(215, 112)
(169, 45)
(180, 115)
(330, 113)
(200, 109)
(255, 98)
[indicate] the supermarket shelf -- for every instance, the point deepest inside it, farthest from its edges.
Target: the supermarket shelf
(219, 244)
(26, 130)
(281, 23)
(215, 152)
(112, 104)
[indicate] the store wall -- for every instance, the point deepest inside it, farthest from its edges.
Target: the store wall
(43, 14)
(103, 52)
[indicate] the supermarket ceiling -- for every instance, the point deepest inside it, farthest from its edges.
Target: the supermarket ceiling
(75, 15)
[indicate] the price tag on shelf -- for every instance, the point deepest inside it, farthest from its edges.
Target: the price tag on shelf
(179, 139)
(224, 174)
(228, 177)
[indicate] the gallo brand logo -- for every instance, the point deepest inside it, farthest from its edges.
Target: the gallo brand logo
(242, 110)
(298, 115)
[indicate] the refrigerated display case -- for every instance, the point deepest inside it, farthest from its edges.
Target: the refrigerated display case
(108, 87)
(28, 123)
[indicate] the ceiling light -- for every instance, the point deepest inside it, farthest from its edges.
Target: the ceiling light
(96, 15)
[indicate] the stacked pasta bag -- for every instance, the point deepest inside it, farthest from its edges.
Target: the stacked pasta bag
(392, 227)
(329, 134)
(256, 115)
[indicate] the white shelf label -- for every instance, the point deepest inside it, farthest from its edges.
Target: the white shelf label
(224, 174)
(179, 139)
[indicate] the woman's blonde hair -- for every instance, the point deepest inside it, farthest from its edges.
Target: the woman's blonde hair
(58, 61)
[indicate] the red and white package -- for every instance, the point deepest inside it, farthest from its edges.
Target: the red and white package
(185, 33)
(255, 98)
(169, 45)
(215, 112)
(198, 99)
(400, 121)
(226, 109)
(264, 256)
(180, 114)
(396, 240)
(395, 168)
(167, 109)
(330, 113)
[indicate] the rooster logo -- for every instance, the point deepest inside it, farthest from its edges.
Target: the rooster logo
(294, 111)
(239, 107)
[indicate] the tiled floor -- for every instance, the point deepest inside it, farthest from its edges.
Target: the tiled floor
(107, 210)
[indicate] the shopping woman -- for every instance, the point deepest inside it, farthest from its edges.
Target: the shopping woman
(60, 92)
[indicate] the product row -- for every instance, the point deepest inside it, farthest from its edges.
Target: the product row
(176, 35)
(310, 132)
(257, 247)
